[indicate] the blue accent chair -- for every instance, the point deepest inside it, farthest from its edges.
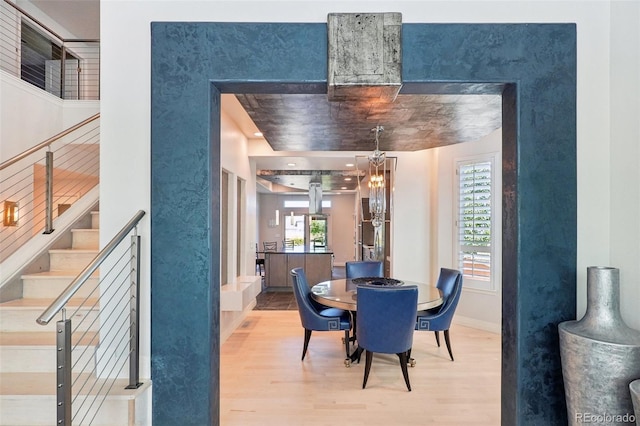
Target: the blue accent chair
(386, 321)
(362, 269)
(365, 268)
(315, 316)
(439, 319)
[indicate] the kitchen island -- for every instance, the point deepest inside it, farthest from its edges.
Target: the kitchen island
(278, 264)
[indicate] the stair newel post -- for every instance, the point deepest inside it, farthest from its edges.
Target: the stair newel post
(48, 227)
(134, 315)
(63, 371)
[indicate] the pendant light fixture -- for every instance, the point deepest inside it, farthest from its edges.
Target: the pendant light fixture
(377, 182)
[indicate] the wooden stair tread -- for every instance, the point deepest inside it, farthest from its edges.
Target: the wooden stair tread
(45, 338)
(43, 303)
(56, 274)
(73, 250)
(44, 384)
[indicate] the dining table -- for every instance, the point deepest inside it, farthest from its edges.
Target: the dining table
(343, 294)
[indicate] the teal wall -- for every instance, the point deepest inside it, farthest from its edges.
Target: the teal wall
(533, 65)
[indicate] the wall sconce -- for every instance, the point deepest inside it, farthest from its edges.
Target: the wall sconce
(10, 216)
(273, 223)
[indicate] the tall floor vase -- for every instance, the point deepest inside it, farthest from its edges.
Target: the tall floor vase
(600, 356)
(634, 387)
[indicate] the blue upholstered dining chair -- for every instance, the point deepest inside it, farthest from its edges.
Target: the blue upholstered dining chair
(439, 319)
(386, 321)
(315, 316)
(365, 268)
(361, 269)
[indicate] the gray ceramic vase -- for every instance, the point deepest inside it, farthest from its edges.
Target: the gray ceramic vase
(600, 356)
(634, 387)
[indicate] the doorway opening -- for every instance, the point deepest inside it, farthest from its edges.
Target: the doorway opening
(539, 168)
(318, 227)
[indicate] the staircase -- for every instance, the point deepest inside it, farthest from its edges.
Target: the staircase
(28, 352)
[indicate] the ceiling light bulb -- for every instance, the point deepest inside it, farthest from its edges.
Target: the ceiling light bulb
(291, 164)
(257, 134)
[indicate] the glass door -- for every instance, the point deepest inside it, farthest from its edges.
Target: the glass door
(317, 232)
(294, 230)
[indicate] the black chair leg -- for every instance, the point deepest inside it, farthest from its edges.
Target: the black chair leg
(405, 371)
(446, 339)
(367, 367)
(346, 341)
(307, 337)
(354, 319)
(437, 338)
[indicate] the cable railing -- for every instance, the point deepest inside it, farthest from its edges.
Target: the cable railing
(41, 183)
(31, 51)
(97, 335)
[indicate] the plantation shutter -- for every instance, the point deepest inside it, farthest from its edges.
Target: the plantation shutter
(474, 220)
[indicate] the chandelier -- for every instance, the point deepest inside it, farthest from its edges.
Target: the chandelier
(377, 183)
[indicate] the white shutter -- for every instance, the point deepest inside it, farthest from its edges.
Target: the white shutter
(475, 222)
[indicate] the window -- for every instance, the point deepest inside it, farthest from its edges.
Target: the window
(294, 229)
(474, 248)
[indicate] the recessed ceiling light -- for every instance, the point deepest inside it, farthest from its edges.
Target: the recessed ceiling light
(349, 164)
(347, 179)
(344, 187)
(291, 164)
(257, 134)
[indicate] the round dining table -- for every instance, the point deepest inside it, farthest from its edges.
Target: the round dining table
(342, 293)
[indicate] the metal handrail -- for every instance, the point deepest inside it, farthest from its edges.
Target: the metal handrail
(47, 142)
(68, 293)
(77, 170)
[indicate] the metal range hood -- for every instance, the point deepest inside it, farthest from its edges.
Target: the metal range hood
(315, 198)
(364, 56)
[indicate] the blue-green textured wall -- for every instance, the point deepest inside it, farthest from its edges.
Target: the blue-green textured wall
(192, 63)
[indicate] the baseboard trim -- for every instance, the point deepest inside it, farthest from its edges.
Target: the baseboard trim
(478, 324)
(227, 330)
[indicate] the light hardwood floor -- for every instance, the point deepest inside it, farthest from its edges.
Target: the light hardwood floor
(263, 381)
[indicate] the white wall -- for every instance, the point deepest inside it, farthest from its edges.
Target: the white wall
(20, 101)
(482, 309)
(411, 231)
(342, 237)
(234, 159)
(29, 115)
(125, 34)
(625, 155)
(341, 223)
